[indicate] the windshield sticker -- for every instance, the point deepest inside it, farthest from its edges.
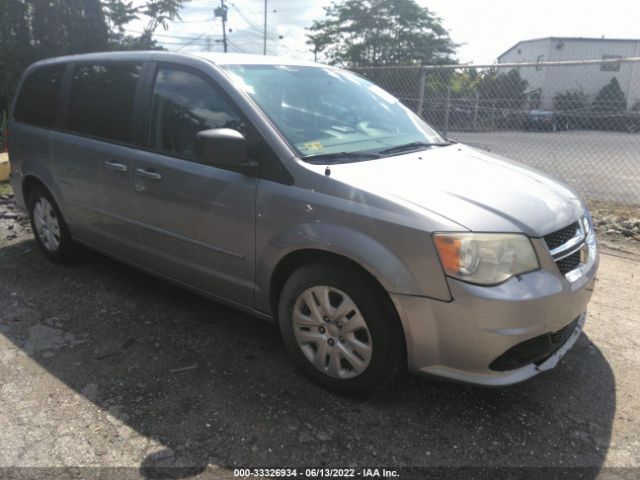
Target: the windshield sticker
(313, 146)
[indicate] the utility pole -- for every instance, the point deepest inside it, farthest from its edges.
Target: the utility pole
(221, 12)
(264, 40)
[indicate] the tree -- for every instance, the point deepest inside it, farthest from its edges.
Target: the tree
(364, 33)
(570, 101)
(610, 97)
(34, 29)
(507, 89)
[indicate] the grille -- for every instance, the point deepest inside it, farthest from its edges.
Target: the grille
(562, 236)
(562, 335)
(569, 263)
(535, 350)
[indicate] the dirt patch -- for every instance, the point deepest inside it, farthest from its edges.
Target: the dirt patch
(616, 222)
(14, 224)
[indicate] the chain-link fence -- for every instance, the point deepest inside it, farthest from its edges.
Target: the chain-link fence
(578, 121)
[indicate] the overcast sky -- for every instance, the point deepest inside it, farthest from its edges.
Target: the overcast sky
(485, 28)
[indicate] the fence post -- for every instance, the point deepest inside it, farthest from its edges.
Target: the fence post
(423, 80)
(446, 112)
(475, 111)
(493, 115)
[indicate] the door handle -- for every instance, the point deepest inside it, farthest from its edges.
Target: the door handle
(115, 166)
(141, 172)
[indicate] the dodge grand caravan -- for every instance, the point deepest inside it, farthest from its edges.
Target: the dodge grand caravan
(305, 194)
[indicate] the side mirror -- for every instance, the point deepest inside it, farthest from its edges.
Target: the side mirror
(223, 148)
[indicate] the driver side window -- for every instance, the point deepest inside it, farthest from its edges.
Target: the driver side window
(183, 105)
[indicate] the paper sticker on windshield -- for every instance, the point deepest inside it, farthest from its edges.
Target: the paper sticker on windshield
(382, 94)
(313, 146)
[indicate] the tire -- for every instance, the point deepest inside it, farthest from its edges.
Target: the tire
(49, 227)
(347, 366)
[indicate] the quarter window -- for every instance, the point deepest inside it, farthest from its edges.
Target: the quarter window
(183, 105)
(101, 100)
(37, 102)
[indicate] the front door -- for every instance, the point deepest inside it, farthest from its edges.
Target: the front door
(197, 222)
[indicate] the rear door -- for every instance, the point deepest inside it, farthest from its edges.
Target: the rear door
(95, 153)
(197, 221)
(34, 116)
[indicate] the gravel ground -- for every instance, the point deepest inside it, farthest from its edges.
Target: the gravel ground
(105, 366)
(604, 166)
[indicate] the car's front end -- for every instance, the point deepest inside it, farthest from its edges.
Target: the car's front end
(540, 120)
(517, 258)
(520, 267)
(509, 332)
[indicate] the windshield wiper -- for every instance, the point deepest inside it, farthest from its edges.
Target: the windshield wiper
(340, 156)
(413, 146)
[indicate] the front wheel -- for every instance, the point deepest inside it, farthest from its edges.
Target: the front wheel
(341, 328)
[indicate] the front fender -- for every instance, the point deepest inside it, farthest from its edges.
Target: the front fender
(390, 271)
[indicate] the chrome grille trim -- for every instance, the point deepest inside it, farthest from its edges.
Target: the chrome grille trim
(576, 240)
(567, 253)
(562, 254)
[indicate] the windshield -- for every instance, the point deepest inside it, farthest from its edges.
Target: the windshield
(325, 112)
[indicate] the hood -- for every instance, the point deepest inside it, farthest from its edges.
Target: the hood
(478, 190)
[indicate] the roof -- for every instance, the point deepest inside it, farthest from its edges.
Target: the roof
(249, 59)
(216, 58)
(570, 39)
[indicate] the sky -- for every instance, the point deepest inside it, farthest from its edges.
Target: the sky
(484, 29)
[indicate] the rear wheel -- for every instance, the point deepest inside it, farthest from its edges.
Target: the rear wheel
(49, 227)
(340, 328)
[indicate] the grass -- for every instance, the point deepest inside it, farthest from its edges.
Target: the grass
(5, 188)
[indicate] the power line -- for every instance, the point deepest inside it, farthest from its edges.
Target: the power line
(238, 49)
(190, 42)
(172, 36)
(251, 24)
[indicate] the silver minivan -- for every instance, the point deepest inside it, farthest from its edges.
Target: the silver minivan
(305, 194)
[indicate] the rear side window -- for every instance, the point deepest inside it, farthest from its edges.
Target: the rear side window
(101, 100)
(37, 101)
(184, 104)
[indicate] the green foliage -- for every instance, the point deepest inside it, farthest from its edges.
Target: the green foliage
(465, 83)
(364, 33)
(31, 30)
(610, 97)
(570, 101)
(507, 88)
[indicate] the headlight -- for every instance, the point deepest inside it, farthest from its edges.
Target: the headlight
(485, 258)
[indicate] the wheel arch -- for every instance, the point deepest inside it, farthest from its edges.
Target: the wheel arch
(28, 184)
(294, 260)
(31, 180)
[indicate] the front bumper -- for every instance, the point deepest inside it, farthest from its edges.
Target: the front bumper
(460, 339)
